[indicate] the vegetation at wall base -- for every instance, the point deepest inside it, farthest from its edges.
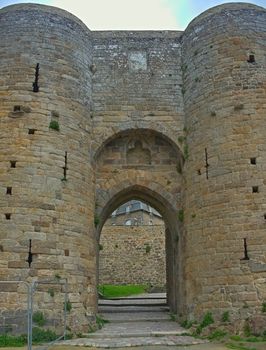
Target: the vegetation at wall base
(38, 318)
(207, 320)
(7, 340)
(225, 316)
(100, 321)
(186, 324)
(218, 334)
(238, 347)
(39, 336)
(116, 291)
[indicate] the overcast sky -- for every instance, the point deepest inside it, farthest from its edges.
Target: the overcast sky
(134, 14)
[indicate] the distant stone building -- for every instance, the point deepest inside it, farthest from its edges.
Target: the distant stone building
(133, 247)
(135, 213)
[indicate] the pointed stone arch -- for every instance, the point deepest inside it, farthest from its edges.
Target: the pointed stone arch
(167, 206)
(163, 134)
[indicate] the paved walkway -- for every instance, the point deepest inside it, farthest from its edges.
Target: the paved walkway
(140, 321)
(128, 342)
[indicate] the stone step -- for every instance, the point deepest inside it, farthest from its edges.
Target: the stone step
(146, 296)
(131, 308)
(134, 341)
(138, 329)
(136, 302)
(134, 334)
(136, 316)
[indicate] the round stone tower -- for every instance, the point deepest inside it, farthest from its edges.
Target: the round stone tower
(217, 261)
(47, 193)
(224, 100)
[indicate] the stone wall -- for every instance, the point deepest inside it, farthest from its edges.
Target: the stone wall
(174, 119)
(133, 255)
(224, 97)
(37, 201)
(137, 218)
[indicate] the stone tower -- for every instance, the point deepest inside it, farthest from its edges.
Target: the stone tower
(90, 120)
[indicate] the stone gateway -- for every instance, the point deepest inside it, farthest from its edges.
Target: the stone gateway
(91, 120)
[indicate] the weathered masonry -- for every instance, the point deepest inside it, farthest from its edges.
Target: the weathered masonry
(132, 247)
(90, 120)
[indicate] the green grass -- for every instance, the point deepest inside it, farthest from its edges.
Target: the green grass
(218, 334)
(186, 324)
(238, 347)
(116, 291)
(12, 341)
(100, 321)
(39, 336)
(207, 320)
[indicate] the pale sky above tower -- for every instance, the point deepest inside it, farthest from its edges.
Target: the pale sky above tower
(134, 14)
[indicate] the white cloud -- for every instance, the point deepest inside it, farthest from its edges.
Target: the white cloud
(121, 14)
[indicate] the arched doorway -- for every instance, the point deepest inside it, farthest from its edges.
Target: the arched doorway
(145, 165)
(173, 231)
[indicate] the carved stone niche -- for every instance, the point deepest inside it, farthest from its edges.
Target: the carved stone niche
(137, 154)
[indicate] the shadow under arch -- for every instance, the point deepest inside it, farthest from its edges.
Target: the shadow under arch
(129, 131)
(173, 234)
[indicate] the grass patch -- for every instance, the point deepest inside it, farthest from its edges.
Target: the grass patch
(9, 340)
(116, 291)
(207, 320)
(218, 334)
(254, 339)
(236, 338)
(238, 347)
(100, 321)
(225, 316)
(40, 335)
(243, 343)
(186, 324)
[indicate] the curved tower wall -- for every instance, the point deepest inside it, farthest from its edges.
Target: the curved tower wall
(224, 101)
(46, 178)
(52, 208)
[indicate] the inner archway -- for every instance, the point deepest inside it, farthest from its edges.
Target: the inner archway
(173, 235)
(132, 248)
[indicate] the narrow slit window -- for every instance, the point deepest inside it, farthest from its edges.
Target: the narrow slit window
(35, 84)
(8, 216)
(9, 190)
(253, 161)
(255, 189)
(251, 59)
(13, 164)
(17, 108)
